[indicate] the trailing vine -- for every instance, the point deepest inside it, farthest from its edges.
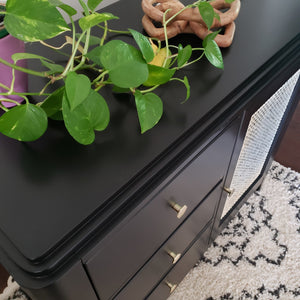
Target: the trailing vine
(136, 70)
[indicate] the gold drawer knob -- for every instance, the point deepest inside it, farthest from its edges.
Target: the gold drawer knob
(179, 209)
(174, 256)
(228, 191)
(171, 286)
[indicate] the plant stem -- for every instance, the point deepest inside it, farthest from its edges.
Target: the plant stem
(73, 33)
(191, 62)
(91, 67)
(44, 88)
(10, 101)
(166, 36)
(71, 60)
(104, 34)
(99, 77)
(100, 86)
(53, 47)
(28, 71)
(198, 49)
(114, 31)
(25, 94)
(4, 86)
(87, 42)
(12, 84)
(85, 50)
(150, 89)
(26, 99)
(173, 46)
(4, 108)
(183, 9)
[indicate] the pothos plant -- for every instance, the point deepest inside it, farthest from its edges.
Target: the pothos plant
(78, 102)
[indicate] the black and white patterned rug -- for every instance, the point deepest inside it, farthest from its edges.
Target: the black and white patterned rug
(256, 257)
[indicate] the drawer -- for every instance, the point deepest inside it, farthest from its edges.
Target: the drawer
(168, 284)
(171, 251)
(120, 256)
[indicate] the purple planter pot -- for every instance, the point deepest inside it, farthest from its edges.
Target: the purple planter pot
(8, 46)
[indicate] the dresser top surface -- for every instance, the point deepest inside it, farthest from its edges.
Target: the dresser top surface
(52, 187)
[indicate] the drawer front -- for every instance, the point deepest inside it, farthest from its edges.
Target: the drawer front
(171, 251)
(184, 265)
(131, 246)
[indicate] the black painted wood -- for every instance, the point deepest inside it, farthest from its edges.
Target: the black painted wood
(73, 285)
(123, 253)
(161, 262)
(60, 198)
(163, 290)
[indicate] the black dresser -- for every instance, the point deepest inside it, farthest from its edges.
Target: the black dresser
(128, 216)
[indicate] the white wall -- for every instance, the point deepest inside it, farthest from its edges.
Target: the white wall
(76, 5)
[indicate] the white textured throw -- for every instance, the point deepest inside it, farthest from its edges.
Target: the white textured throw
(256, 257)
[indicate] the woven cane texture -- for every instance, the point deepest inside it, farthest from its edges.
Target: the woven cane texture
(260, 134)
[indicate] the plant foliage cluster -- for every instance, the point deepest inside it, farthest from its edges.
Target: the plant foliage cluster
(138, 70)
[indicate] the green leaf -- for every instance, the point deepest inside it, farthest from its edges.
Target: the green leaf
(78, 87)
(77, 124)
(24, 122)
(213, 54)
(58, 116)
(68, 9)
(33, 20)
(55, 3)
(94, 19)
(90, 115)
(85, 7)
(229, 1)
(144, 45)
(207, 13)
(53, 103)
(158, 75)
(92, 4)
(210, 36)
(94, 40)
(188, 88)
(150, 108)
(94, 55)
(126, 65)
(19, 56)
(98, 111)
(217, 16)
(119, 90)
(184, 55)
(185, 81)
(53, 68)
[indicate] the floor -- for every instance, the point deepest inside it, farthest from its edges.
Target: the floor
(288, 155)
(3, 278)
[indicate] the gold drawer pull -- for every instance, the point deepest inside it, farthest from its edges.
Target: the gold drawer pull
(171, 286)
(179, 209)
(228, 191)
(174, 256)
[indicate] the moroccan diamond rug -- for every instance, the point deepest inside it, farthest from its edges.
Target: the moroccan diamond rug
(256, 257)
